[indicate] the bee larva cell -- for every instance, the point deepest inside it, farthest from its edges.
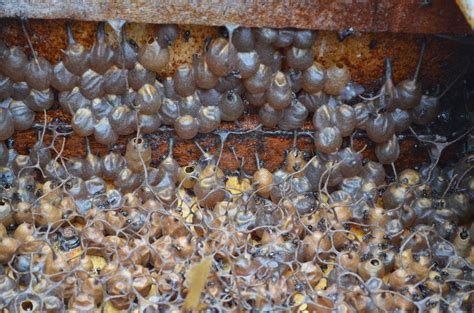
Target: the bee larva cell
(279, 92)
(7, 127)
(23, 116)
(38, 74)
(231, 106)
(220, 57)
(184, 80)
(153, 56)
(186, 127)
(209, 119)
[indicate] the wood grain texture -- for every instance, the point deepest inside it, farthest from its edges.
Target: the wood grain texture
(412, 16)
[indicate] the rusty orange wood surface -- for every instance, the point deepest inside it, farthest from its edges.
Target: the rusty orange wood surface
(413, 16)
(270, 144)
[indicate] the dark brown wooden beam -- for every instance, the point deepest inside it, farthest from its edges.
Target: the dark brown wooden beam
(414, 16)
